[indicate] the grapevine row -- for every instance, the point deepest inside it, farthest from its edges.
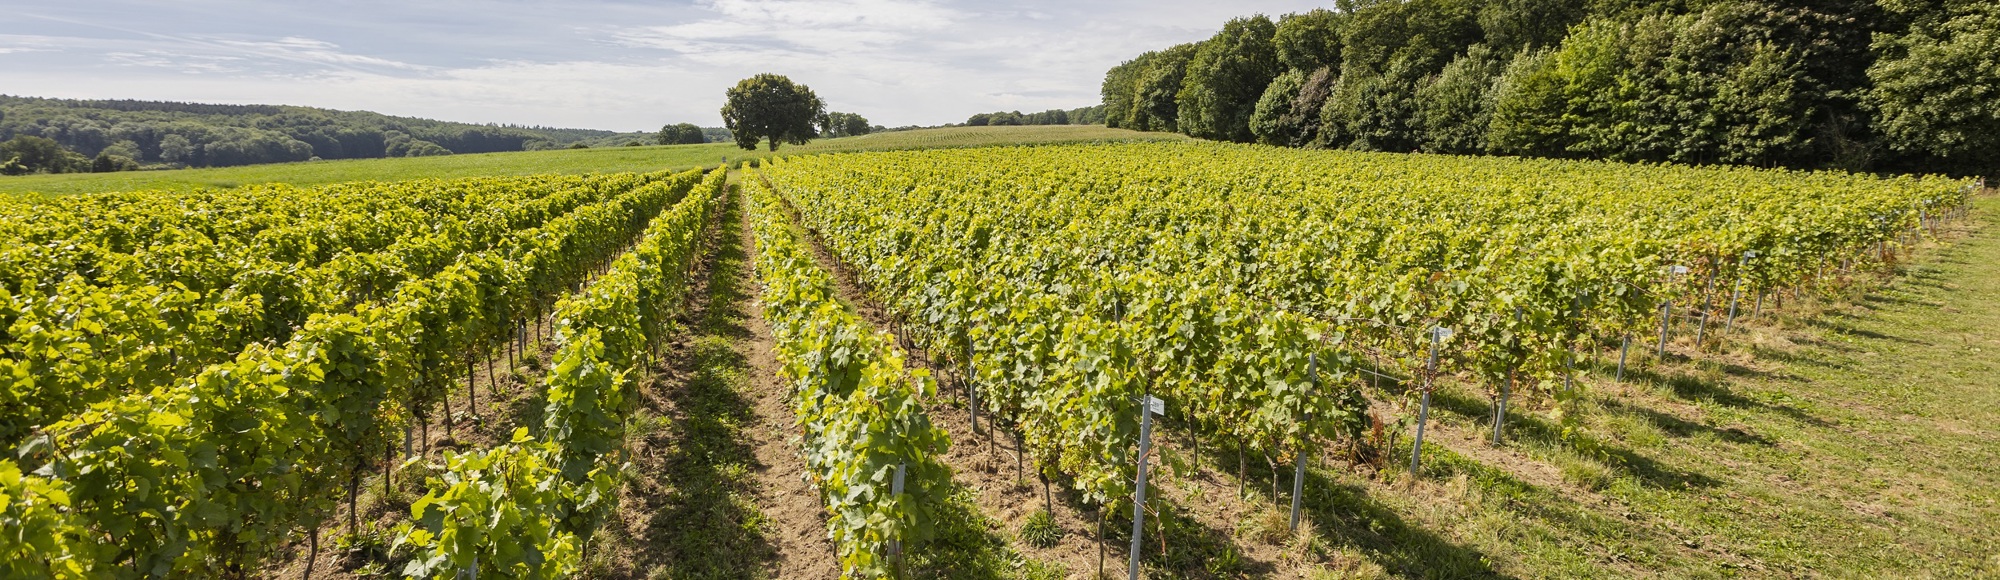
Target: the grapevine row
(1244, 283)
(1063, 344)
(528, 508)
(214, 472)
(859, 411)
(78, 341)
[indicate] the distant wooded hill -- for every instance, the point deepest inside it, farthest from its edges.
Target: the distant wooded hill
(202, 135)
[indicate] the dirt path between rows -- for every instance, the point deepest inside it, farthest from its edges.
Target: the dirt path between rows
(716, 489)
(783, 489)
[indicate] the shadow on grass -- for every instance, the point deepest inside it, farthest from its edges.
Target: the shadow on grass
(1605, 362)
(704, 488)
(1679, 427)
(1879, 300)
(1830, 325)
(527, 410)
(1531, 428)
(967, 545)
(1174, 544)
(1178, 546)
(1930, 277)
(1689, 388)
(1346, 515)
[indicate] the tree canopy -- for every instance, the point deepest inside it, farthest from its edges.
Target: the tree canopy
(772, 108)
(29, 154)
(838, 124)
(680, 134)
(1226, 78)
(1889, 85)
(1078, 116)
(1938, 90)
(159, 134)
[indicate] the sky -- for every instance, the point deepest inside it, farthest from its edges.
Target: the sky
(596, 64)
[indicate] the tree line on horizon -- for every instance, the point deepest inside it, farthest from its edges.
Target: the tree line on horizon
(1092, 115)
(1862, 85)
(39, 135)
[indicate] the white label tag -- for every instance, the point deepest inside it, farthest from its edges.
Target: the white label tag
(1441, 332)
(1156, 406)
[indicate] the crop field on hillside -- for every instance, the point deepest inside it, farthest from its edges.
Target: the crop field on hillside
(926, 356)
(562, 161)
(1294, 308)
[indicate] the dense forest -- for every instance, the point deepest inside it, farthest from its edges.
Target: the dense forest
(75, 135)
(1864, 85)
(1093, 115)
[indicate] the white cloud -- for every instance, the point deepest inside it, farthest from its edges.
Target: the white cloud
(602, 64)
(307, 50)
(183, 62)
(28, 43)
(875, 14)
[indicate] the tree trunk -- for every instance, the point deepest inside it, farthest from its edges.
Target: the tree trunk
(1274, 479)
(1242, 470)
(1048, 499)
(1020, 451)
(1100, 543)
(312, 556)
(353, 489)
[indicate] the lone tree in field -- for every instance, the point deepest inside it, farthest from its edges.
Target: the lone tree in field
(769, 106)
(680, 134)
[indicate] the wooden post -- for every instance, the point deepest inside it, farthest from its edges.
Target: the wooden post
(1666, 313)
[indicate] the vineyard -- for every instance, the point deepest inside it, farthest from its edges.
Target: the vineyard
(1255, 289)
(1258, 291)
(203, 384)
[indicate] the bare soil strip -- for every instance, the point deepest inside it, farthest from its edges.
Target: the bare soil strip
(782, 489)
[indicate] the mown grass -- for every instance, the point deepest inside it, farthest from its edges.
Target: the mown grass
(599, 160)
(1849, 437)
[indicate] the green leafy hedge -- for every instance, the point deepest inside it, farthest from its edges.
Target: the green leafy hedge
(857, 407)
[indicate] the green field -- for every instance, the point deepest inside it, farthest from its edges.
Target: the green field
(602, 160)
